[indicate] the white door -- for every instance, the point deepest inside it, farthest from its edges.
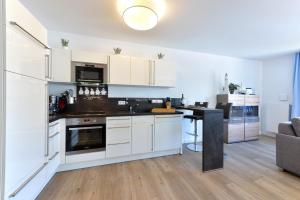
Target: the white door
(26, 125)
(60, 70)
(119, 70)
(164, 74)
(140, 71)
(167, 132)
(142, 134)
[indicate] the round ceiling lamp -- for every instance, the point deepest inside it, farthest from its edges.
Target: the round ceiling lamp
(141, 14)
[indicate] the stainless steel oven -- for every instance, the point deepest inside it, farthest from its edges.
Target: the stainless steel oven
(85, 135)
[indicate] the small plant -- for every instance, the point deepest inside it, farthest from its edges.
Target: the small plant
(117, 50)
(65, 43)
(160, 56)
(232, 87)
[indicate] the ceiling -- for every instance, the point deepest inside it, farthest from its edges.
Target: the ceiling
(240, 28)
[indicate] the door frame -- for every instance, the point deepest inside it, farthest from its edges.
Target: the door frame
(2, 95)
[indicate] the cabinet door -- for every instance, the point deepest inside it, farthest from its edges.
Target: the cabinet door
(164, 74)
(140, 71)
(54, 155)
(252, 130)
(119, 70)
(167, 132)
(24, 55)
(235, 132)
(16, 12)
(60, 65)
(88, 57)
(142, 134)
(26, 126)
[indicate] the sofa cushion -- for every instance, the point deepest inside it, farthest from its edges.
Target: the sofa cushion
(296, 126)
(286, 128)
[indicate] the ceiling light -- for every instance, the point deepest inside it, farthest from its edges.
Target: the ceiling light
(141, 14)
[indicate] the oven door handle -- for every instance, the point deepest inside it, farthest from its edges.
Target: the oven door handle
(85, 128)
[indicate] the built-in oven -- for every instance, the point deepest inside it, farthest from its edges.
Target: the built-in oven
(84, 135)
(88, 73)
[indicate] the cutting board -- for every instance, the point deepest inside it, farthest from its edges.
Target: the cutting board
(163, 110)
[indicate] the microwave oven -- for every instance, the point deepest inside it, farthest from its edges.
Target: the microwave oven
(88, 73)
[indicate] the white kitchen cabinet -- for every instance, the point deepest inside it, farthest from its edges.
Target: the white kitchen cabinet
(89, 57)
(168, 132)
(140, 71)
(163, 74)
(54, 152)
(26, 126)
(118, 136)
(142, 134)
(16, 12)
(119, 70)
(60, 70)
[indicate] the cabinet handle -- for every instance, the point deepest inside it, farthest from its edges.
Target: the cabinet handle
(118, 143)
(53, 124)
(86, 128)
(47, 123)
(168, 117)
(118, 127)
(28, 33)
(27, 181)
(153, 139)
(118, 119)
(55, 134)
(52, 157)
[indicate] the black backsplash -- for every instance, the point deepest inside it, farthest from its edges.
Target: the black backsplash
(103, 103)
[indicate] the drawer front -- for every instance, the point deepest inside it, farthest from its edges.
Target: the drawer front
(54, 128)
(117, 150)
(168, 118)
(252, 100)
(142, 119)
(118, 134)
(236, 100)
(111, 121)
(54, 145)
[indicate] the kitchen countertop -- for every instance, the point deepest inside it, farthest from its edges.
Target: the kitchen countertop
(55, 117)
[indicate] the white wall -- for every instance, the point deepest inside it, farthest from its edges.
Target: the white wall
(200, 76)
(277, 80)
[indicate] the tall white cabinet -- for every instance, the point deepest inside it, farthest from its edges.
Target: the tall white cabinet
(26, 104)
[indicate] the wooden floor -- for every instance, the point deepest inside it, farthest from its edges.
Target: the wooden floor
(250, 173)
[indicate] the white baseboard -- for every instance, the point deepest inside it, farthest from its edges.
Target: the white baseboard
(80, 165)
(269, 134)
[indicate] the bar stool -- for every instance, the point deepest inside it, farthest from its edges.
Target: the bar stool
(195, 118)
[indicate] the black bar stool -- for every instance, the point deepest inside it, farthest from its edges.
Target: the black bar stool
(194, 118)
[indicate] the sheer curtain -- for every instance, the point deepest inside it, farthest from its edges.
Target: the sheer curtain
(296, 87)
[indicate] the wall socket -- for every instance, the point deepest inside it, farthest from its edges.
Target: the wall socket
(121, 103)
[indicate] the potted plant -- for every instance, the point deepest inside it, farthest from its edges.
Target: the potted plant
(65, 43)
(117, 51)
(232, 87)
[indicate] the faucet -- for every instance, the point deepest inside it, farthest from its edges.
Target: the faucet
(131, 108)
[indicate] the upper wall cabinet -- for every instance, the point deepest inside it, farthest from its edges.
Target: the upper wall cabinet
(140, 71)
(119, 70)
(164, 74)
(16, 12)
(88, 57)
(60, 70)
(23, 41)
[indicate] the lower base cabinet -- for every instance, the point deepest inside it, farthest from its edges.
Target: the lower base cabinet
(168, 130)
(142, 134)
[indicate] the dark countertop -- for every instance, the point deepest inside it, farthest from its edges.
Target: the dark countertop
(55, 117)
